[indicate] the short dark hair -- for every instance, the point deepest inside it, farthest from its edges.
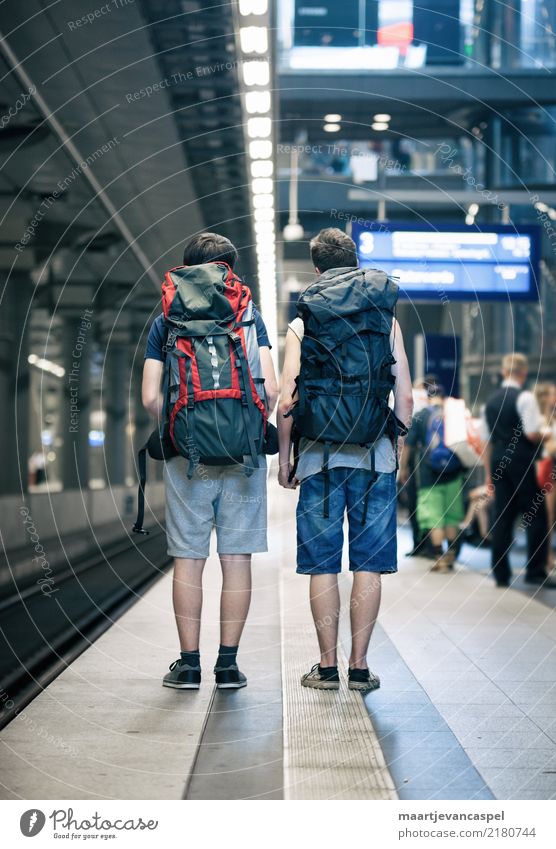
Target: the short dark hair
(332, 248)
(433, 386)
(209, 247)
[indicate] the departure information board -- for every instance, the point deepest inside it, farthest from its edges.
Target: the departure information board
(497, 263)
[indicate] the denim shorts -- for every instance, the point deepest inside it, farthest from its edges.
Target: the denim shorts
(372, 545)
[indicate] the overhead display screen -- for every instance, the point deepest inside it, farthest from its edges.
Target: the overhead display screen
(493, 264)
(383, 33)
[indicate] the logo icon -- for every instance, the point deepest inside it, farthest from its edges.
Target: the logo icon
(32, 822)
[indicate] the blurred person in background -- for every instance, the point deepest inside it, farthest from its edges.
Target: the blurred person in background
(409, 487)
(440, 508)
(512, 434)
(545, 394)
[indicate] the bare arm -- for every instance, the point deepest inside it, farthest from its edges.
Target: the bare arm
(486, 456)
(403, 395)
(151, 394)
(292, 362)
(405, 458)
(270, 382)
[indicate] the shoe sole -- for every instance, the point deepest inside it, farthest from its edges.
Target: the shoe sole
(363, 688)
(181, 686)
(232, 686)
(322, 685)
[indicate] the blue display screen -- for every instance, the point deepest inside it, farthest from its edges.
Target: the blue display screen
(499, 263)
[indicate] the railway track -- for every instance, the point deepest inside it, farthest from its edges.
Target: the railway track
(40, 635)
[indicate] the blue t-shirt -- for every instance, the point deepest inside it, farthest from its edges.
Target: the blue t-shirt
(158, 333)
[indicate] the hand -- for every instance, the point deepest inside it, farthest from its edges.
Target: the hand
(284, 474)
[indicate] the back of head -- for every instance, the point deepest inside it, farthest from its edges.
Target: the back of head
(332, 248)
(435, 390)
(209, 247)
(515, 366)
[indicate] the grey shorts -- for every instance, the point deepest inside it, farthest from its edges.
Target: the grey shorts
(219, 497)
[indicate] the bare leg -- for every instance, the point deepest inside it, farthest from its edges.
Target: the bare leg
(364, 605)
(451, 532)
(187, 594)
(437, 536)
(235, 598)
(325, 607)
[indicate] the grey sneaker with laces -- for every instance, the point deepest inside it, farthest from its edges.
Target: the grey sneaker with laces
(321, 679)
(182, 677)
(363, 680)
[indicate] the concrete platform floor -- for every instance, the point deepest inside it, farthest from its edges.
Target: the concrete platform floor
(467, 707)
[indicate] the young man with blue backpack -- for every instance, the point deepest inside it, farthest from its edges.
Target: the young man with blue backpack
(346, 399)
(209, 381)
(440, 475)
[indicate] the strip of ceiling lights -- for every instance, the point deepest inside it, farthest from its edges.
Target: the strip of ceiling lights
(256, 76)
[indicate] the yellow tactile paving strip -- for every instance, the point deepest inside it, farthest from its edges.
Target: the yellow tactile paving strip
(331, 750)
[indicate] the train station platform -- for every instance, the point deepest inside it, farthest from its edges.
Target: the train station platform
(466, 710)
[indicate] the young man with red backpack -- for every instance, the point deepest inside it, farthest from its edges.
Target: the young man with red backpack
(209, 380)
(347, 391)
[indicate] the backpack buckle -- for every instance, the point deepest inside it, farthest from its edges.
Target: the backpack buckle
(170, 340)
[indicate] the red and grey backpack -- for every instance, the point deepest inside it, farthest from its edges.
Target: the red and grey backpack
(215, 410)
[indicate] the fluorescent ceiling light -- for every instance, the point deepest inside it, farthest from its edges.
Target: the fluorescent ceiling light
(253, 7)
(262, 186)
(259, 128)
(253, 39)
(331, 128)
(263, 214)
(379, 126)
(256, 72)
(332, 118)
(257, 101)
(260, 149)
(382, 117)
(264, 228)
(263, 201)
(262, 168)
(46, 365)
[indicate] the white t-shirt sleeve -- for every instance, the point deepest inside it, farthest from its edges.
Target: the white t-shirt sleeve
(297, 327)
(484, 430)
(529, 412)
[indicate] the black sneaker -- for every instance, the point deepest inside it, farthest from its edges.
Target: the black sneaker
(182, 676)
(229, 677)
(322, 679)
(541, 581)
(363, 680)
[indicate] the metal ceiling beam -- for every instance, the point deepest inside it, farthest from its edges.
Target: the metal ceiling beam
(72, 151)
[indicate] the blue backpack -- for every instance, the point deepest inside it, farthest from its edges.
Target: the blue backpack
(438, 456)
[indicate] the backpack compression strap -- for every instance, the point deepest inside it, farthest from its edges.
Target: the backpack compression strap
(247, 404)
(142, 466)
